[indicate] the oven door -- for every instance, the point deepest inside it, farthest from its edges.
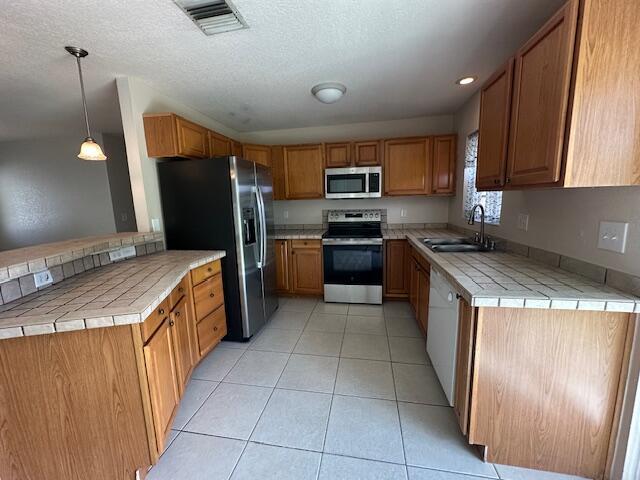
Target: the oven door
(350, 263)
(345, 183)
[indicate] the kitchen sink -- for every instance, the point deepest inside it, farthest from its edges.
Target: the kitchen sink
(454, 245)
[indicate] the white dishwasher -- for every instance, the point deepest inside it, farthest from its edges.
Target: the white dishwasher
(442, 332)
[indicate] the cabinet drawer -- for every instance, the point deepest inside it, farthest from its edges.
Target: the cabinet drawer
(178, 292)
(153, 321)
(208, 296)
(200, 274)
(306, 243)
(211, 330)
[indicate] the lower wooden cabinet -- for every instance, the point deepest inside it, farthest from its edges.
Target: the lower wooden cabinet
(396, 269)
(413, 284)
(162, 378)
(211, 329)
(299, 267)
(423, 299)
(419, 272)
(464, 356)
(181, 321)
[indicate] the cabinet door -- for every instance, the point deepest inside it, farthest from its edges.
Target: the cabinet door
(423, 299)
(211, 329)
(181, 323)
(219, 145)
(444, 164)
(395, 281)
(462, 395)
(540, 101)
(366, 153)
(277, 173)
(407, 166)
(193, 140)
(304, 171)
(306, 266)
(236, 149)
(208, 296)
(493, 136)
(413, 285)
(160, 361)
(282, 266)
(257, 153)
(337, 154)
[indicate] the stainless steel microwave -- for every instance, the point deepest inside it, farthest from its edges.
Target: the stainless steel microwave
(353, 182)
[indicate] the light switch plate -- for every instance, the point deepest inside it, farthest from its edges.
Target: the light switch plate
(613, 236)
(124, 252)
(523, 221)
(43, 278)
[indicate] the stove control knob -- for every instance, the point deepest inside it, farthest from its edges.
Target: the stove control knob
(377, 214)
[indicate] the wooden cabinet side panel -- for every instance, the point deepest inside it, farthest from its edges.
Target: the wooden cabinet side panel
(282, 266)
(604, 137)
(160, 135)
(464, 363)
(70, 406)
(545, 387)
(541, 99)
(424, 286)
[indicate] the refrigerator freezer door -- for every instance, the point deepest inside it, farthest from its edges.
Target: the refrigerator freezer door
(264, 182)
(249, 275)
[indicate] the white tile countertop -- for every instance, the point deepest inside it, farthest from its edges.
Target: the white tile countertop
(122, 293)
(387, 233)
(299, 233)
(499, 279)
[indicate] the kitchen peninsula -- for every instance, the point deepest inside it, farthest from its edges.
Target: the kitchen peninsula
(93, 367)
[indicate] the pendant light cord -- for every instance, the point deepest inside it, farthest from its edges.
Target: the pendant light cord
(84, 99)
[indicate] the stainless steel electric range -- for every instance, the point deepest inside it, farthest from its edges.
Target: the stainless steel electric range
(352, 252)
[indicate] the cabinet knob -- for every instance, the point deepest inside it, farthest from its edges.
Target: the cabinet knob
(215, 329)
(177, 314)
(161, 311)
(496, 181)
(180, 289)
(171, 323)
(209, 269)
(212, 294)
(508, 180)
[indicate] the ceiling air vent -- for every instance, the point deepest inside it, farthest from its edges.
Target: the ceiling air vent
(213, 17)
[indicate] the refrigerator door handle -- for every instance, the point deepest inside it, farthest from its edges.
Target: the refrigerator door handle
(263, 227)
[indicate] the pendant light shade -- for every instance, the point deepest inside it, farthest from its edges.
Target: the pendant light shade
(89, 150)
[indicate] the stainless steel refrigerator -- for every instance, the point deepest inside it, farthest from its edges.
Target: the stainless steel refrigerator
(225, 203)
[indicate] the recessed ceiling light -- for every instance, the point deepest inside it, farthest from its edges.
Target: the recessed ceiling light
(328, 92)
(465, 80)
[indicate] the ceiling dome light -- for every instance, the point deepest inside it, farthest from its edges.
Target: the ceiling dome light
(89, 150)
(465, 80)
(328, 92)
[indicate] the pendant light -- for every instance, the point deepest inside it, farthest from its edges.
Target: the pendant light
(89, 150)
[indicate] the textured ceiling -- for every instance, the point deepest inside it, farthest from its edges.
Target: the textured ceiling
(398, 58)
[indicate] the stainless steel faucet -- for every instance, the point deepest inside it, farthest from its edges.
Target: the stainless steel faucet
(472, 221)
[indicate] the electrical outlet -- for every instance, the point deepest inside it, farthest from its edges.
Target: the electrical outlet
(122, 253)
(155, 224)
(403, 212)
(523, 221)
(613, 236)
(285, 214)
(43, 278)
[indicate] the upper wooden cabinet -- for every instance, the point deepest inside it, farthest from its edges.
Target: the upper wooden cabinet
(573, 116)
(277, 173)
(303, 171)
(540, 101)
(236, 148)
(219, 145)
(257, 153)
(444, 164)
(367, 153)
(493, 138)
(338, 155)
(407, 166)
(168, 135)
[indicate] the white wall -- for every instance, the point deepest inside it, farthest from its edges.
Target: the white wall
(565, 221)
(419, 209)
(137, 98)
(47, 194)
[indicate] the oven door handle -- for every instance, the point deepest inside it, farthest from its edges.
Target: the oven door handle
(352, 241)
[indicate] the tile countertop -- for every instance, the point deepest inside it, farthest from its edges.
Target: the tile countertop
(500, 279)
(22, 261)
(122, 293)
(387, 233)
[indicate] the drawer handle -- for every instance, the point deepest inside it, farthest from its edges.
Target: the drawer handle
(215, 329)
(177, 314)
(171, 323)
(209, 269)
(212, 294)
(161, 311)
(180, 289)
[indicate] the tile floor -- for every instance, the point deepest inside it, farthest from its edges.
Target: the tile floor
(327, 392)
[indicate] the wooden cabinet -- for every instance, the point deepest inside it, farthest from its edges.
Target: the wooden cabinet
(168, 135)
(367, 153)
(181, 323)
(338, 155)
(306, 267)
(493, 136)
(211, 329)
(257, 153)
(464, 356)
(236, 148)
(414, 285)
(219, 145)
(419, 285)
(303, 171)
(160, 360)
(407, 166)
(396, 264)
(423, 298)
(277, 173)
(444, 164)
(208, 303)
(540, 101)
(283, 285)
